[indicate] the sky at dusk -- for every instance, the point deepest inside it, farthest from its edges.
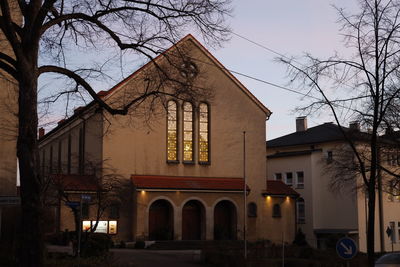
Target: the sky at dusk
(291, 28)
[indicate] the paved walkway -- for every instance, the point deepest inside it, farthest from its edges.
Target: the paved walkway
(156, 258)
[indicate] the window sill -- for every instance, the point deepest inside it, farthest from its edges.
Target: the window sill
(188, 162)
(204, 163)
(173, 161)
(276, 216)
(300, 187)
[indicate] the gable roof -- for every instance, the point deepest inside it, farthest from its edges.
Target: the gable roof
(279, 188)
(187, 183)
(106, 94)
(326, 132)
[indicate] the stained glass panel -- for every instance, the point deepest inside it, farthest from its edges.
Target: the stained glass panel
(172, 124)
(203, 133)
(187, 131)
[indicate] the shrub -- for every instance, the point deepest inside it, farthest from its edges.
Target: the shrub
(122, 244)
(300, 239)
(95, 244)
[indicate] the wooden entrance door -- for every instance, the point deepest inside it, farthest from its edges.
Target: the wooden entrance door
(192, 220)
(160, 221)
(225, 221)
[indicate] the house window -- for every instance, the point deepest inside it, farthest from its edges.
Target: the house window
(43, 162)
(51, 160)
(172, 131)
(187, 132)
(204, 133)
(69, 155)
(59, 157)
(289, 178)
(301, 211)
(329, 157)
(278, 176)
(85, 210)
(300, 179)
(276, 211)
(114, 211)
(252, 209)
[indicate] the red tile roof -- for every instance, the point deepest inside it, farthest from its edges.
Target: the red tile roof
(279, 188)
(75, 182)
(188, 183)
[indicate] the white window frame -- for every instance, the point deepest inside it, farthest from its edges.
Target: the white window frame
(302, 219)
(299, 185)
(276, 174)
(286, 178)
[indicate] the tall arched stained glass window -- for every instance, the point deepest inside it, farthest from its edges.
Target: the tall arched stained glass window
(172, 131)
(204, 133)
(187, 132)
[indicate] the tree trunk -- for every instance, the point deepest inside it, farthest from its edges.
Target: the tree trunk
(372, 196)
(371, 226)
(31, 246)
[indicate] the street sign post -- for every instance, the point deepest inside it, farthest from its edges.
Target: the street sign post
(346, 248)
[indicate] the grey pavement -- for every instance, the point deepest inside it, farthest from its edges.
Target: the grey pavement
(156, 258)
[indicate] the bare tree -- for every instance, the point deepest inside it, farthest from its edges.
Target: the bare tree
(105, 188)
(363, 86)
(51, 32)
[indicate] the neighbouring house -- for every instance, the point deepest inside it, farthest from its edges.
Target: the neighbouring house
(9, 200)
(303, 160)
(184, 175)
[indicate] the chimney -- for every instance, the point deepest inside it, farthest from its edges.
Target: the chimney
(41, 132)
(301, 124)
(60, 122)
(354, 125)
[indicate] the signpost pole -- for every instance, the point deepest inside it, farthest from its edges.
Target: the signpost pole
(283, 249)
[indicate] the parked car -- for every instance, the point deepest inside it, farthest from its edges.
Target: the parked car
(388, 260)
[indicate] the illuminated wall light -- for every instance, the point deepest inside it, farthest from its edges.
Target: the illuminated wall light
(143, 192)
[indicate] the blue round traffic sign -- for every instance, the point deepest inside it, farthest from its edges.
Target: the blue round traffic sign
(346, 248)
